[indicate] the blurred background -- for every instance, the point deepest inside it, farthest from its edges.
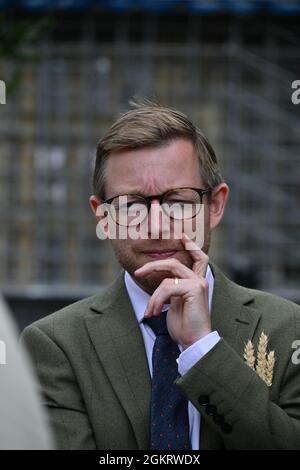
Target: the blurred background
(70, 68)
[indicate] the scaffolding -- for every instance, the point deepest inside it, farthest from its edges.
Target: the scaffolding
(232, 79)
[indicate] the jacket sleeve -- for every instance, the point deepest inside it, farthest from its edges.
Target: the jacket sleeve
(236, 403)
(61, 396)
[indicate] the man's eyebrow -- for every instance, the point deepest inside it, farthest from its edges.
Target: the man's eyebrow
(141, 193)
(127, 193)
(131, 191)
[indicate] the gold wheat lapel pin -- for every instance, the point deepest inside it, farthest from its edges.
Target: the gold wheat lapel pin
(264, 363)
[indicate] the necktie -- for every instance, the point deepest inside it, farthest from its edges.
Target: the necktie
(169, 424)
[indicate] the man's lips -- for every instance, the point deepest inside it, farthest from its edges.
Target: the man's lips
(160, 254)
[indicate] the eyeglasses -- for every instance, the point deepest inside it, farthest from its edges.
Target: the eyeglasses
(178, 204)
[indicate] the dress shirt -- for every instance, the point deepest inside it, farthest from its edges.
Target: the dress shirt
(188, 357)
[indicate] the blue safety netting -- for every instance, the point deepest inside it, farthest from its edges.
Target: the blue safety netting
(201, 6)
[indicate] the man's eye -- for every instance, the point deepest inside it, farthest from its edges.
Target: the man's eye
(130, 204)
(134, 203)
(179, 201)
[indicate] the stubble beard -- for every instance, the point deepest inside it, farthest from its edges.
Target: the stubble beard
(127, 258)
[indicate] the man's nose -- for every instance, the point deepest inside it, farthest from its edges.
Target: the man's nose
(155, 219)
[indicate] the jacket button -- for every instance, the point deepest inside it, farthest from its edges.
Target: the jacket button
(218, 419)
(226, 428)
(203, 400)
(211, 410)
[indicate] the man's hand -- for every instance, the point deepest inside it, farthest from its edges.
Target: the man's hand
(188, 317)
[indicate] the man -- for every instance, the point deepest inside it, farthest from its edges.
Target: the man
(165, 358)
(23, 423)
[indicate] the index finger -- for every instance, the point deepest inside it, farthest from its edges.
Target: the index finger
(198, 256)
(170, 265)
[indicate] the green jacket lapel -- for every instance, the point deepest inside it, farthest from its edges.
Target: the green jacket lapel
(232, 313)
(236, 322)
(117, 339)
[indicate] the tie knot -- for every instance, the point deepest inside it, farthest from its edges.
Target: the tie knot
(158, 324)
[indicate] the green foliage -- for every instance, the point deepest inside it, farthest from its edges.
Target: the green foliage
(18, 40)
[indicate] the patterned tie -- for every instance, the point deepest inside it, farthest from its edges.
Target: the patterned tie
(169, 426)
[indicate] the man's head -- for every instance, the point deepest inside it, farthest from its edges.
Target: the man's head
(150, 150)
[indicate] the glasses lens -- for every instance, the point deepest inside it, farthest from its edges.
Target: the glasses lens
(182, 204)
(128, 210)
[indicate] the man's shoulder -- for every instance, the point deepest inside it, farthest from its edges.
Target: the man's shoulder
(72, 316)
(269, 305)
(274, 305)
(277, 314)
(65, 319)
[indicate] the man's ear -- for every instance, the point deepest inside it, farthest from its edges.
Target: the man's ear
(100, 213)
(95, 202)
(217, 204)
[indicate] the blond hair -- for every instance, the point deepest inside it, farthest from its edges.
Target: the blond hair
(149, 124)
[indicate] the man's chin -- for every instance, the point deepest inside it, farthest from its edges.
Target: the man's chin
(181, 255)
(151, 282)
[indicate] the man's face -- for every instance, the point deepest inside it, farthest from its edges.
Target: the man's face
(150, 171)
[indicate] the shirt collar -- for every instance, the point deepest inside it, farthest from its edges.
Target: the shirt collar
(139, 298)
